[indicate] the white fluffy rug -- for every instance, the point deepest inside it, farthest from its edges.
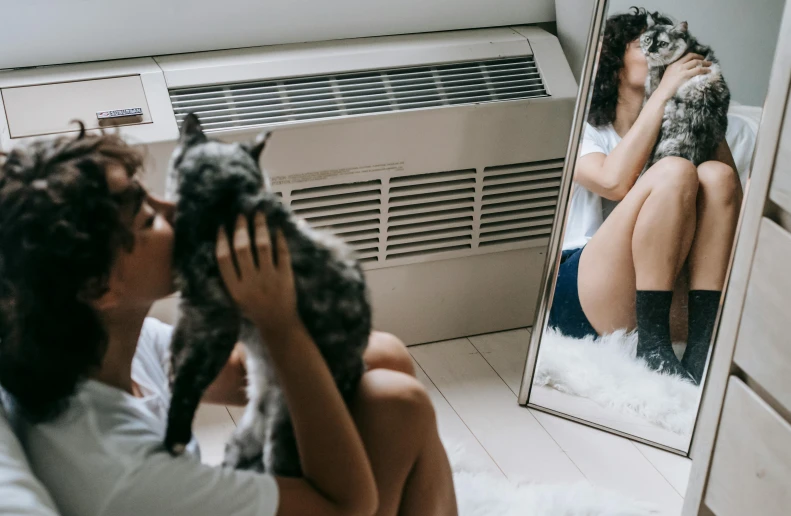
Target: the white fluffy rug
(481, 493)
(607, 371)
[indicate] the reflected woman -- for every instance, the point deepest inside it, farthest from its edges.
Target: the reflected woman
(627, 240)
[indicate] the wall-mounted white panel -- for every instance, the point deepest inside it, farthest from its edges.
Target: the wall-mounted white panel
(40, 32)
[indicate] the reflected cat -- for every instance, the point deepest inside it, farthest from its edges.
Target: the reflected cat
(696, 118)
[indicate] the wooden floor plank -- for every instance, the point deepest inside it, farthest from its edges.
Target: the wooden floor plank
(488, 407)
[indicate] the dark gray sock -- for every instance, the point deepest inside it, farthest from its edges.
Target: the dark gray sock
(703, 306)
(653, 332)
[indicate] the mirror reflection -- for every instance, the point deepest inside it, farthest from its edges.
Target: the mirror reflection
(658, 183)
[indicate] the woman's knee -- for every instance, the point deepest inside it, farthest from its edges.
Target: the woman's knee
(386, 351)
(719, 183)
(676, 181)
(392, 396)
(674, 172)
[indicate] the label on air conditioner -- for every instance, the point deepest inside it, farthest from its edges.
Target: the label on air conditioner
(118, 113)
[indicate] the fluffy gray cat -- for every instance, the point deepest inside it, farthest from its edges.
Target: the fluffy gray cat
(696, 118)
(213, 182)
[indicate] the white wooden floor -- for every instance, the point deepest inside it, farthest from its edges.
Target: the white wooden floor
(473, 383)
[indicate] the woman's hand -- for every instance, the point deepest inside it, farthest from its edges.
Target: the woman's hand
(265, 293)
(680, 72)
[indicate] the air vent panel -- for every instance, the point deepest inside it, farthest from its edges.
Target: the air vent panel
(438, 214)
(431, 213)
(518, 202)
(240, 105)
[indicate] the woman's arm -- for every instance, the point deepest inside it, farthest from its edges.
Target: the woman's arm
(612, 176)
(338, 479)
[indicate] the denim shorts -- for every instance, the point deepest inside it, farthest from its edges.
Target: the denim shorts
(566, 315)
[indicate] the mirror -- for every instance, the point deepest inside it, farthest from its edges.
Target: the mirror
(659, 159)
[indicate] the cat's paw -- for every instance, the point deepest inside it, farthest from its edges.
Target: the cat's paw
(243, 451)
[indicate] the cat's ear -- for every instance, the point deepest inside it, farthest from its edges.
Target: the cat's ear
(258, 145)
(191, 131)
(649, 20)
(682, 27)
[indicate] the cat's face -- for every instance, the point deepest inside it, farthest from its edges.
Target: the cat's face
(196, 153)
(664, 44)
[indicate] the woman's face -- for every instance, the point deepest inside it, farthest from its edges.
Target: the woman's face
(143, 275)
(635, 66)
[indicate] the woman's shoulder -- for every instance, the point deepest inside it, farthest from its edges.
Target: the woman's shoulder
(599, 131)
(602, 139)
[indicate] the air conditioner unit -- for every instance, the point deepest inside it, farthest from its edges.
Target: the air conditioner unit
(437, 157)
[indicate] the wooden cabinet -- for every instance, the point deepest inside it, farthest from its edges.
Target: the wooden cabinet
(752, 457)
(763, 345)
(741, 449)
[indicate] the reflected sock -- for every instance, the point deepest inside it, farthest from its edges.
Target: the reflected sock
(703, 307)
(653, 332)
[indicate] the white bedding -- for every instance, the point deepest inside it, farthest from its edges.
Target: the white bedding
(743, 122)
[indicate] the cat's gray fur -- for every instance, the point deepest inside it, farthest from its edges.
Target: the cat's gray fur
(696, 118)
(213, 182)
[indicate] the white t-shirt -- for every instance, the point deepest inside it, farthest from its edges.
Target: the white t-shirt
(588, 210)
(105, 454)
(21, 493)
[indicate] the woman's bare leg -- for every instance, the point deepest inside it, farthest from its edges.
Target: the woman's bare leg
(398, 427)
(642, 245)
(718, 204)
(386, 351)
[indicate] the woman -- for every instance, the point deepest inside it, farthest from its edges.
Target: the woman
(84, 252)
(628, 240)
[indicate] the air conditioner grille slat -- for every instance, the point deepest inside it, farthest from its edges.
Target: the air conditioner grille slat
(436, 243)
(429, 224)
(514, 224)
(441, 206)
(438, 215)
(516, 233)
(504, 216)
(306, 202)
(251, 104)
(342, 218)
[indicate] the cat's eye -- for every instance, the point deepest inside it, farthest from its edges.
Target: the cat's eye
(662, 44)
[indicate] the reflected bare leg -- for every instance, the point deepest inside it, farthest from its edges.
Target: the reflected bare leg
(629, 268)
(642, 245)
(718, 204)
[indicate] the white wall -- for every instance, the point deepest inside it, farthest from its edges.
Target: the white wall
(38, 32)
(573, 20)
(742, 33)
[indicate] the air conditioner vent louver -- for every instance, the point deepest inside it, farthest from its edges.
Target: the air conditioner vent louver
(433, 214)
(430, 213)
(233, 106)
(518, 203)
(350, 211)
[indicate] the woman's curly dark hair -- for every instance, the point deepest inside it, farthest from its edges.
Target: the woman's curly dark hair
(619, 31)
(60, 230)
